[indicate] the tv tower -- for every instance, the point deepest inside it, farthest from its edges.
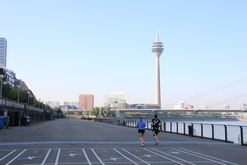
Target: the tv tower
(157, 51)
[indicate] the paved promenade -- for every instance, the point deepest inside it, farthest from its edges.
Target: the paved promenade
(76, 141)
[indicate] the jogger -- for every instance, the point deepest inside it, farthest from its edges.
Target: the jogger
(156, 123)
(141, 130)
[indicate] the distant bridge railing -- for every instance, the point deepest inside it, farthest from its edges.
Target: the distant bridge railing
(180, 110)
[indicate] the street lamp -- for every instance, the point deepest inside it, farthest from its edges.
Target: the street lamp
(1, 93)
(18, 93)
(18, 97)
(28, 95)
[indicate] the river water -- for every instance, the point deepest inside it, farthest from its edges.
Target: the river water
(231, 129)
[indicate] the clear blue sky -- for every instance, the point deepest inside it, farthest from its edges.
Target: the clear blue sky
(63, 48)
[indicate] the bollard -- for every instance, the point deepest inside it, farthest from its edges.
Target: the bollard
(190, 127)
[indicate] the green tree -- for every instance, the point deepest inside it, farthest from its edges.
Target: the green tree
(95, 111)
(6, 90)
(101, 110)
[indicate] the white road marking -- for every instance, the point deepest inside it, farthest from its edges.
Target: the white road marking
(98, 157)
(16, 157)
(136, 156)
(125, 156)
(85, 154)
(173, 156)
(71, 155)
(114, 159)
(46, 156)
(58, 154)
(203, 156)
(113, 155)
(30, 157)
(7, 155)
(163, 156)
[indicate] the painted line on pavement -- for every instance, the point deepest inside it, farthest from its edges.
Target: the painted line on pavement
(108, 142)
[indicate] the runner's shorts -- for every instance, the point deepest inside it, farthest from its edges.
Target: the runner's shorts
(155, 132)
(141, 130)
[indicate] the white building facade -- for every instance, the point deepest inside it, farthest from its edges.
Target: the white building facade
(115, 99)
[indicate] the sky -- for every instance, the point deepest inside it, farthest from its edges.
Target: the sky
(63, 48)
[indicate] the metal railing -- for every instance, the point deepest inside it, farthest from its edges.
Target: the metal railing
(221, 132)
(227, 133)
(14, 104)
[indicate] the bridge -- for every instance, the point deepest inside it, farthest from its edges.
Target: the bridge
(120, 112)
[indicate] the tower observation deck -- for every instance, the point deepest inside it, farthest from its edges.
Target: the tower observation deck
(157, 51)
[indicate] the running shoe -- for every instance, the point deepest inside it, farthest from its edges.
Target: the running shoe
(157, 142)
(143, 144)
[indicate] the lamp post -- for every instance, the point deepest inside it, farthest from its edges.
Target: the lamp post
(28, 95)
(1, 93)
(18, 97)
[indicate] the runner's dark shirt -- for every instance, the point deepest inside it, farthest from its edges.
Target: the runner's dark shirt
(156, 123)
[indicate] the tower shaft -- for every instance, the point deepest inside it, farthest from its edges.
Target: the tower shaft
(157, 51)
(157, 98)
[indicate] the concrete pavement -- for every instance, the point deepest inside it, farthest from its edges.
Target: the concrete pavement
(76, 141)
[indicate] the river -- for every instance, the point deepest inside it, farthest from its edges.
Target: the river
(231, 129)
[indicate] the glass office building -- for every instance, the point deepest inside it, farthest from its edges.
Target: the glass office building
(3, 51)
(115, 100)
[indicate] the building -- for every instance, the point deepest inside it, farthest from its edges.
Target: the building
(204, 107)
(180, 105)
(188, 106)
(86, 101)
(3, 51)
(244, 106)
(66, 103)
(115, 99)
(8, 76)
(76, 104)
(157, 51)
(53, 104)
(226, 107)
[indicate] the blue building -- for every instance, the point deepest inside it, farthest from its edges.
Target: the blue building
(3, 51)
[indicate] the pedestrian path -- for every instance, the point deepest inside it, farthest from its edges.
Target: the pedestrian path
(103, 156)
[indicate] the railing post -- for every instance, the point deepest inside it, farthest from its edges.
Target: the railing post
(212, 131)
(177, 127)
(241, 135)
(164, 126)
(170, 126)
(184, 128)
(202, 130)
(225, 133)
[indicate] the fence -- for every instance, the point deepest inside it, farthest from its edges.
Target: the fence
(227, 133)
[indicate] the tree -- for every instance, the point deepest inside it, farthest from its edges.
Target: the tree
(101, 110)
(6, 90)
(94, 111)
